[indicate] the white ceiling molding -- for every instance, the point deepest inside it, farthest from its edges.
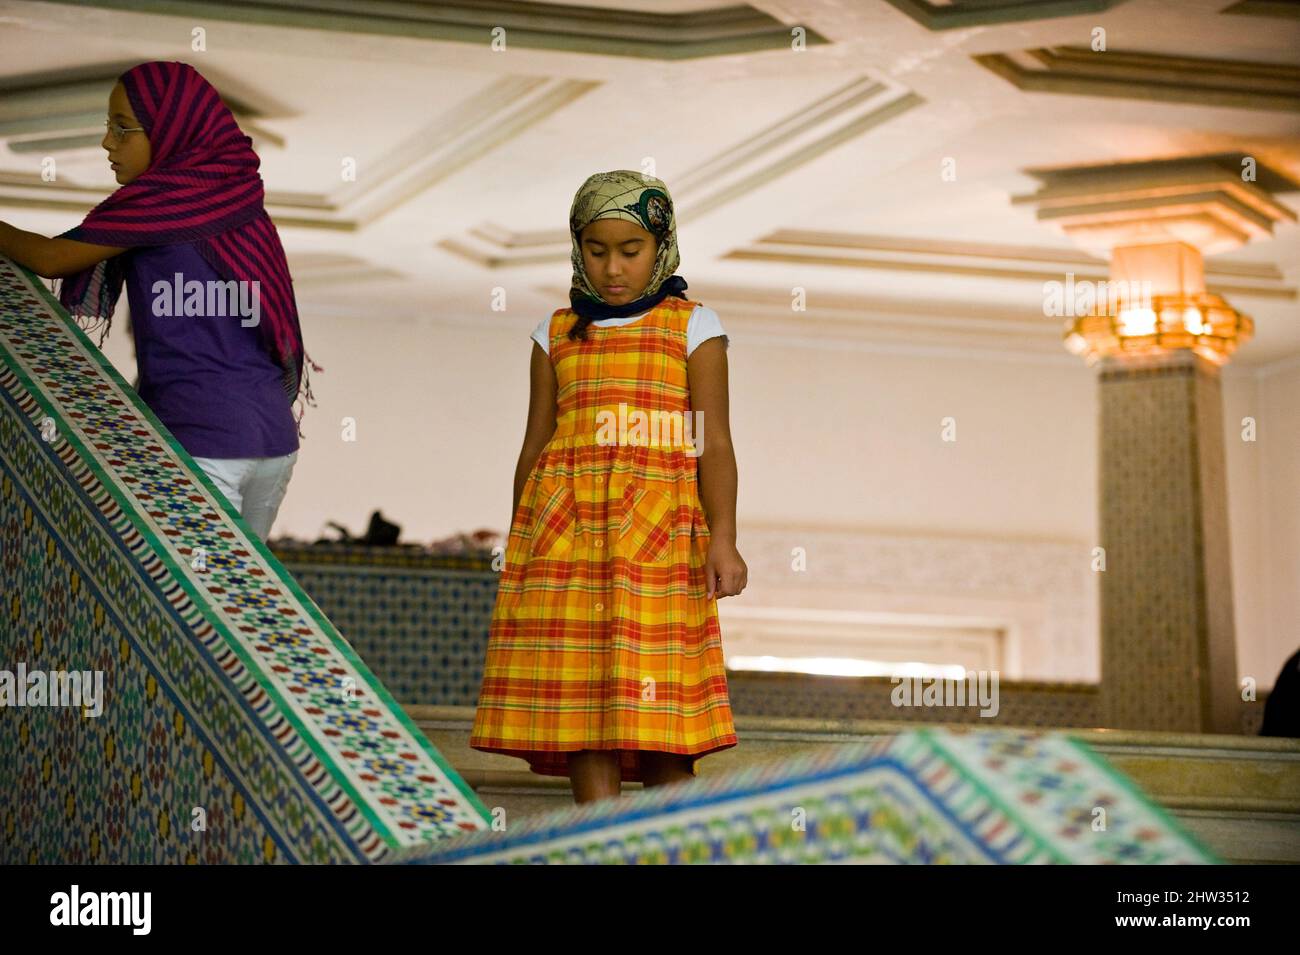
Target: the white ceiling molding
(1132, 75)
(1283, 9)
(776, 150)
(954, 14)
(616, 30)
(995, 261)
(474, 128)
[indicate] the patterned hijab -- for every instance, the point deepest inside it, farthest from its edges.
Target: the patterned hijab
(644, 201)
(202, 186)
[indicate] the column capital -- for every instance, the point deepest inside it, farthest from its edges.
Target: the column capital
(1211, 203)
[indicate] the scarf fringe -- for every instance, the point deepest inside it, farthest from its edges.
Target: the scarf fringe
(308, 398)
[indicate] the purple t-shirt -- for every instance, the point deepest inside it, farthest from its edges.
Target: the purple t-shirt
(207, 377)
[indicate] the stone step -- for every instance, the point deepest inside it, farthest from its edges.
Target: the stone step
(1239, 794)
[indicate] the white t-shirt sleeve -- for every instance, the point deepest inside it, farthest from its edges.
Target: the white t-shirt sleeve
(703, 325)
(542, 334)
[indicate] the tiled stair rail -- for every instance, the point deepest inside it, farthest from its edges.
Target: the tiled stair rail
(922, 796)
(235, 724)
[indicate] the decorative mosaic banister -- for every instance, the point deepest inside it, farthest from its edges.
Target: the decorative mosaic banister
(237, 724)
(978, 796)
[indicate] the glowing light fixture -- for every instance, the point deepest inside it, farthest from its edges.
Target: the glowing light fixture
(1202, 322)
(1163, 307)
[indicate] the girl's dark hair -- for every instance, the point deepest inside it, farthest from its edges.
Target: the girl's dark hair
(578, 333)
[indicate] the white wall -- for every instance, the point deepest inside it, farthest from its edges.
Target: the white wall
(1264, 509)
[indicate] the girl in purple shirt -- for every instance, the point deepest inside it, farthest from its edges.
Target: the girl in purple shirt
(217, 340)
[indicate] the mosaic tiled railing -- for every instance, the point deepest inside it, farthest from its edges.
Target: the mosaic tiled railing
(237, 725)
(922, 796)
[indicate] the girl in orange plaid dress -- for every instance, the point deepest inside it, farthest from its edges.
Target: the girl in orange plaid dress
(604, 659)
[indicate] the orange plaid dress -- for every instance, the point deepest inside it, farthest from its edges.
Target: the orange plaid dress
(602, 636)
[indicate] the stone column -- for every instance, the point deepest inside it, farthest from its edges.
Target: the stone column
(1168, 648)
(1159, 337)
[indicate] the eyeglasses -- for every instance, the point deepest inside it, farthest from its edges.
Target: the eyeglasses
(118, 130)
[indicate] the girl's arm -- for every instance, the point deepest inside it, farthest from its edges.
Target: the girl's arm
(541, 418)
(706, 370)
(51, 258)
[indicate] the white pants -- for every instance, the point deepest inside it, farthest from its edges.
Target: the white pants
(254, 486)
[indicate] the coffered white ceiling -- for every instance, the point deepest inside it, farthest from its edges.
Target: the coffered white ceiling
(815, 164)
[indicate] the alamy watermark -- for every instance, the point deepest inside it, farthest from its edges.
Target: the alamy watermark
(83, 688)
(1075, 299)
(976, 688)
(75, 907)
(653, 428)
(211, 299)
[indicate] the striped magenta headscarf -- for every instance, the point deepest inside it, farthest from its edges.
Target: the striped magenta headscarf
(203, 186)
